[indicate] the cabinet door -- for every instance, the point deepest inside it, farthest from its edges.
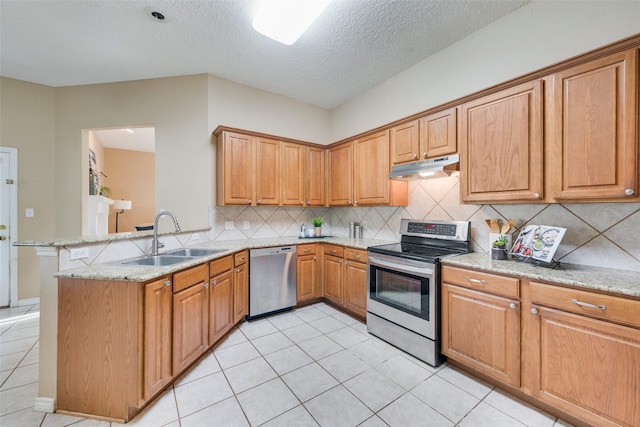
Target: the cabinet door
(316, 176)
(307, 277)
(240, 293)
(482, 331)
(293, 174)
(501, 146)
(340, 159)
(404, 142)
(268, 174)
(332, 267)
(594, 120)
(589, 368)
(438, 135)
(220, 305)
(190, 325)
(235, 170)
(371, 170)
(355, 287)
(157, 336)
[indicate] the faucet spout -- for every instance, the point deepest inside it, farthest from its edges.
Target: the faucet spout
(155, 244)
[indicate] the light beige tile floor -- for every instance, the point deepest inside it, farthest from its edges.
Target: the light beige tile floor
(314, 366)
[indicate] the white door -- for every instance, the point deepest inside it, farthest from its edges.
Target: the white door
(8, 199)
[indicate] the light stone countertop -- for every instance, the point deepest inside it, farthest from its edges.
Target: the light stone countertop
(83, 240)
(110, 271)
(621, 282)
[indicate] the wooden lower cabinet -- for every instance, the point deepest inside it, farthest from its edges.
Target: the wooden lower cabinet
(220, 305)
(586, 367)
(158, 306)
(309, 281)
(190, 323)
(355, 287)
(570, 350)
(332, 267)
(240, 287)
(482, 331)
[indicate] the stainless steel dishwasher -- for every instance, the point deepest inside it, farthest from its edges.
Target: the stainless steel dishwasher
(272, 280)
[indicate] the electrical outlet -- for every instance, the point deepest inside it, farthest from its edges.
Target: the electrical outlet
(78, 253)
(195, 236)
(364, 224)
(246, 225)
(228, 225)
(29, 213)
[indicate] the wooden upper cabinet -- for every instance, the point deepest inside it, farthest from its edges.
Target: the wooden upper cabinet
(594, 137)
(293, 174)
(501, 146)
(268, 174)
(404, 142)
(316, 176)
(371, 169)
(340, 163)
(235, 168)
(438, 134)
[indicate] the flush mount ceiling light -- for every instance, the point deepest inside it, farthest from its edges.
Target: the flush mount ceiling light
(286, 20)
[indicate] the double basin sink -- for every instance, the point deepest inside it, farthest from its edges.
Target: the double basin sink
(175, 256)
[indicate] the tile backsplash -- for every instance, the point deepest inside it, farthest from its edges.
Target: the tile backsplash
(598, 234)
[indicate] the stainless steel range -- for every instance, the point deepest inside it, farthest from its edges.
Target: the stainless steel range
(404, 285)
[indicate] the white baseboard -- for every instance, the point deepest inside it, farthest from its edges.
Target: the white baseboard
(45, 404)
(29, 301)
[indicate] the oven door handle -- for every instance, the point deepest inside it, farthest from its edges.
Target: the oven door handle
(422, 272)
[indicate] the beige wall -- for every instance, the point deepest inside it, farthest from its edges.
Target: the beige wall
(537, 35)
(130, 176)
(27, 123)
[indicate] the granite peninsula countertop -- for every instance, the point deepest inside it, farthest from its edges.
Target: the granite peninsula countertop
(110, 271)
(620, 282)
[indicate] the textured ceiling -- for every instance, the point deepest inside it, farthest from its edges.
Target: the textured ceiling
(354, 44)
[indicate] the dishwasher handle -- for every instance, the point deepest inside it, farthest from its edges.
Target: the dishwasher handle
(254, 253)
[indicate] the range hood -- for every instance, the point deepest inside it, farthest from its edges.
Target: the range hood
(424, 169)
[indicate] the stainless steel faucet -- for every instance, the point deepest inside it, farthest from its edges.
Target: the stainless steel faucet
(155, 244)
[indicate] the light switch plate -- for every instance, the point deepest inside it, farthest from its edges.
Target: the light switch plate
(78, 253)
(246, 225)
(228, 225)
(29, 213)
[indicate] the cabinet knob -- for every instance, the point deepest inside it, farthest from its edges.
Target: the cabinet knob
(512, 305)
(425, 155)
(536, 195)
(206, 286)
(629, 192)
(259, 202)
(249, 202)
(167, 283)
(302, 202)
(350, 202)
(339, 261)
(415, 156)
(534, 310)
(355, 203)
(314, 257)
(308, 202)
(214, 282)
(237, 270)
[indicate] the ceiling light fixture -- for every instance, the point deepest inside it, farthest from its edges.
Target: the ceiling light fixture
(286, 20)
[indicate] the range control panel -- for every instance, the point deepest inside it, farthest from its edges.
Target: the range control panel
(432, 228)
(447, 230)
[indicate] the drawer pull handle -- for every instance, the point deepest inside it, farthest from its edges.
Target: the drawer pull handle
(480, 281)
(588, 305)
(356, 256)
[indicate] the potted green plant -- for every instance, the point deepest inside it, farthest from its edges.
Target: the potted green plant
(499, 248)
(317, 223)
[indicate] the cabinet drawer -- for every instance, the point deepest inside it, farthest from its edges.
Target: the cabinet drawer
(608, 307)
(334, 250)
(221, 265)
(355, 255)
(309, 249)
(240, 258)
(492, 283)
(190, 277)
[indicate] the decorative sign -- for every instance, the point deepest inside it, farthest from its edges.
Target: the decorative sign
(538, 242)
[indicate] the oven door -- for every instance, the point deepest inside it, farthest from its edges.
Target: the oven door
(402, 291)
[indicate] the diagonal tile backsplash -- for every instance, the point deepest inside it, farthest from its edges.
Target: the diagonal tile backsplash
(598, 234)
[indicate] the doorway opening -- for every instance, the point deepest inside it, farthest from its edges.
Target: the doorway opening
(120, 185)
(8, 226)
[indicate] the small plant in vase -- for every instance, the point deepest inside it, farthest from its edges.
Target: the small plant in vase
(317, 223)
(499, 248)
